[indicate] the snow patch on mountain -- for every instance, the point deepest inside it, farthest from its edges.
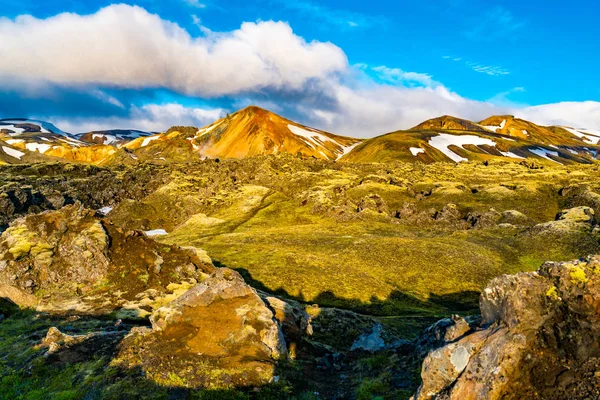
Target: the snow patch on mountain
(206, 130)
(416, 150)
(444, 140)
(148, 140)
(12, 152)
(312, 136)
(544, 153)
(347, 149)
(493, 128)
(41, 147)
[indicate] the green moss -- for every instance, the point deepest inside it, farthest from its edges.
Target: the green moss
(577, 275)
(552, 293)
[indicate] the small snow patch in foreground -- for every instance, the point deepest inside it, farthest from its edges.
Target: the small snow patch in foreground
(156, 232)
(105, 210)
(494, 127)
(41, 147)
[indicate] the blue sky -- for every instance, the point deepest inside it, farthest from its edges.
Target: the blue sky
(376, 66)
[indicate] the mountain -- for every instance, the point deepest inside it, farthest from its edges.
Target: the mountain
(28, 141)
(448, 122)
(17, 126)
(117, 137)
(253, 131)
(496, 138)
(522, 129)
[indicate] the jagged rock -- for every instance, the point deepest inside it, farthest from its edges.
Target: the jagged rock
(66, 349)
(293, 319)
(485, 219)
(449, 213)
(370, 341)
(221, 331)
(17, 296)
(537, 339)
(444, 331)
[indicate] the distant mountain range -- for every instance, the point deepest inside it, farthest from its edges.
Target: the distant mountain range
(255, 131)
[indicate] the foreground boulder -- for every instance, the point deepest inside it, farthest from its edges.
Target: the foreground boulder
(219, 333)
(538, 338)
(72, 260)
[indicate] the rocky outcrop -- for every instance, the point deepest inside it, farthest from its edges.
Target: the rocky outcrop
(572, 220)
(86, 264)
(209, 328)
(538, 338)
(219, 333)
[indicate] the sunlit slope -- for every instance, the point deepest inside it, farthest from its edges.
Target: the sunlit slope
(255, 131)
(496, 138)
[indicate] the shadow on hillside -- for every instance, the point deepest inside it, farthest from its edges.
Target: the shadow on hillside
(87, 369)
(397, 303)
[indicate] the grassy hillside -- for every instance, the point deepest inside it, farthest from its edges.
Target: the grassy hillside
(382, 239)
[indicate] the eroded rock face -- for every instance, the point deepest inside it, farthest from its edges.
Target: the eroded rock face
(538, 339)
(218, 333)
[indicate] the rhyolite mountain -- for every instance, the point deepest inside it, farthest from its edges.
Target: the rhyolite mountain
(496, 138)
(254, 131)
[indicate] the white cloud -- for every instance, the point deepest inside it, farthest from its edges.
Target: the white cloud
(398, 76)
(492, 70)
(194, 3)
(373, 109)
(585, 114)
(330, 16)
(126, 46)
(152, 118)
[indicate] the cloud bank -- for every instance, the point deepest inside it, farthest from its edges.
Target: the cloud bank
(126, 46)
(121, 48)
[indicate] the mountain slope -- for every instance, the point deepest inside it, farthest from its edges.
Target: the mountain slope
(522, 129)
(117, 137)
(495, 138)
(254, 131)
(448, 122)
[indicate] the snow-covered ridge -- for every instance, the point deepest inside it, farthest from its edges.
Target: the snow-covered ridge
(583, 133)
(13, 128)
(108, 139)
(45, 127)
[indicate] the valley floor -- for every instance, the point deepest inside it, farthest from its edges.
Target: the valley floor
(355, 244)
